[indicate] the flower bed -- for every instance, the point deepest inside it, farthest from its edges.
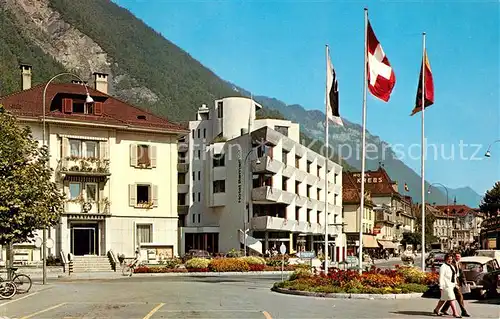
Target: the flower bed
(158, 269)
(376, 281)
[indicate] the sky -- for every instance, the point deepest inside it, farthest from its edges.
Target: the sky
(277, 48)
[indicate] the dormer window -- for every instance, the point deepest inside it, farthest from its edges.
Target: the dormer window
(79, 106)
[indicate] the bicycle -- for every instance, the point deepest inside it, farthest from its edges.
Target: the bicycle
(23, 282)
(128, 269)
(7, 289)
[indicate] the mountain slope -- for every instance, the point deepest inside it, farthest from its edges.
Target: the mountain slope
(465, 195)
(148, 70)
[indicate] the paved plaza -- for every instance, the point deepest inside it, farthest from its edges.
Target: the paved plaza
(204, 297)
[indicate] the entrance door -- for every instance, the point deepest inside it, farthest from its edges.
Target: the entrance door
(83, 241)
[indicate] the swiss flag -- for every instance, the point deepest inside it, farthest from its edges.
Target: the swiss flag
(381, 78)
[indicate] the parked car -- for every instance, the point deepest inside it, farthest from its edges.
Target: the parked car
(196, 253)
(482, 274)
(435, 259)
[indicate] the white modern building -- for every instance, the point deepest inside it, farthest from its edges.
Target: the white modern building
(115, 163)
(238, 173)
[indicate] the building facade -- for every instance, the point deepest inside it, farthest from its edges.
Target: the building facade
(247, 174)
(116, 165)
(466, 224)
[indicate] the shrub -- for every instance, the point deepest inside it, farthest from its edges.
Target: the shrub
(256, 267)
(380, 280)
(197, 263)
(152, 270)
(300, 273)
(412, 275)
(276, 261)
(431, 278)
(233, 253)
(407, 288)
(252, 260)
(171, 263)
(228, 265)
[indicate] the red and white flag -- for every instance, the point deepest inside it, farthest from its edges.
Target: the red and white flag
(381, 78)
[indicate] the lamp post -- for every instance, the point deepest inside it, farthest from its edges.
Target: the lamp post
(488, 153)
(447, 206)
(245, 211)
(44, 139)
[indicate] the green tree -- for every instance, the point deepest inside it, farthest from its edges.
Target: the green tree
(29, 199)
(429, 226)
(490, 204)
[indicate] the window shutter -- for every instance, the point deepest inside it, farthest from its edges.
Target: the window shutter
(154, 196)
(152, 155)
(97, 108)
(132, 195)
(103, 150)
(133, 155)
(67, 105)
(65, 147)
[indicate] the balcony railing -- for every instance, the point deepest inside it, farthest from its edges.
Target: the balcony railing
(182, 209)
(73, 165)
(80, 206)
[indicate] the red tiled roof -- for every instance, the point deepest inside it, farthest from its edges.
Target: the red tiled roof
(28, 103)
(377, 182)
(459, 210)
(351, 191)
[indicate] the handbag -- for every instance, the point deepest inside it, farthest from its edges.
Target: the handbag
(465, 288)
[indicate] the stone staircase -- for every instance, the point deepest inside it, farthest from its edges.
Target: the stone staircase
(91, 264)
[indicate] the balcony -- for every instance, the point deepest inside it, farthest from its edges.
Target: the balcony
(269, 223)
(266, 165)
(77, 166)
(182, 167)
(182, 209)
(182, 188)
(79, 206)
(182, 147)
(384, 217)
(267, 194)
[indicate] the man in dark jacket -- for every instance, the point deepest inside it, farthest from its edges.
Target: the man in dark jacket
(458, 291)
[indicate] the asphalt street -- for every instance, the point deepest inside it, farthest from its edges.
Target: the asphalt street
(204, 297)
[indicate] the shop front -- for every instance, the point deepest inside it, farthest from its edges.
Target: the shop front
(490, 233)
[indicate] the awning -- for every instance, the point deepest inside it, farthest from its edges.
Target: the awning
(369, 241)
(387, 244)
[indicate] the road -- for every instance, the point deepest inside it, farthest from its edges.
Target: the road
(382, 263)
(204, 297)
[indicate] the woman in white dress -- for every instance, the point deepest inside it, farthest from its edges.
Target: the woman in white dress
(447, 282)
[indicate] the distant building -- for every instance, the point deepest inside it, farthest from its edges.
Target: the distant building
(466, 223)
(238, 172)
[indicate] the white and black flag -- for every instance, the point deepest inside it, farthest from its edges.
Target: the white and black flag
(332, 89)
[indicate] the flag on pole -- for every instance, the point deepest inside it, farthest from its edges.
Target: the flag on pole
(429, 87)
(332, 90)
(381, 77)
(407, 189)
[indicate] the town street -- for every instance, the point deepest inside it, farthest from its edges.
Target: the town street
(205, 297)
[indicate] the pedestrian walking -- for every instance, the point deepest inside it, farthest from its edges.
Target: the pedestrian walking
(447, 284)
(461, 282)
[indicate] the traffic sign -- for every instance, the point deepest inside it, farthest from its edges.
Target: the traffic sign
(283, 249)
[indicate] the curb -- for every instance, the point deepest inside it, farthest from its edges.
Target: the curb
(347, 295)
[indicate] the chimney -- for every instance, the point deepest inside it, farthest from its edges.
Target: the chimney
(25, 76)
(101, 82)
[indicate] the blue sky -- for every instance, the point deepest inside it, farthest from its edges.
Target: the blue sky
(276, 48)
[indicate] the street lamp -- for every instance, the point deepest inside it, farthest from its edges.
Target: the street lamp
(447, 206)
(245, 212)
(88, 100)
(488, 153)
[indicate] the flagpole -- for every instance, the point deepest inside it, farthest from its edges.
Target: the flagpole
(423, 152)
(326, 162)
(363, 152)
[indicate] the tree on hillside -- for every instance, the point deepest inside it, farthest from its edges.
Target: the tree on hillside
(429, 225)
(490, 204)
(29, 200)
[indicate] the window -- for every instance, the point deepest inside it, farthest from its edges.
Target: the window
(318, 193)
(91, 149)
(309, 166)
(309, 191)
(204, 133)
(74, 190)
(182, 157)
(297, 161)
(194, 218)
(89, 108)
(194, 197)
(335, 178)
(297, 184)
(317, 218)
(181, 199)
(318, 171)
(91, 192)
(199, 218)
(220, 109)
(199, 197)
(199, 175)
(75, 148)
(143, 194)
(194, 176)
(199, 154)
(335, 199)
(219, 160)
(198, 133)
(143, 155)
(192, 133)
(145, 233)
(297, 213)
(284, 155)
(284, 180)
(309, 211)
(78, 106)
(219, 186)
(281, 129)
(181, 178)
